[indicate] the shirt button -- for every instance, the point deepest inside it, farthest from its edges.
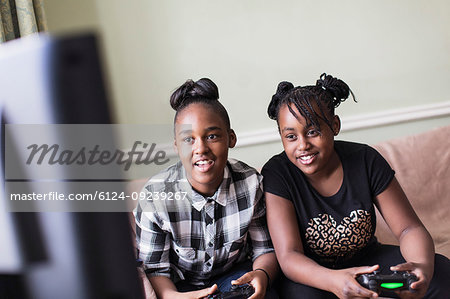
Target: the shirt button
(210, 244)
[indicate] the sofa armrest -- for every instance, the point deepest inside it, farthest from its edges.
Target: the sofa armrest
(422, 167)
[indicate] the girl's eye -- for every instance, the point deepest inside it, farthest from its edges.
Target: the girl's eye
(313, 133)
(290, 137)
(188, 139)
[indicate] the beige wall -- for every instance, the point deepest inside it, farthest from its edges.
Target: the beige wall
(393, 54)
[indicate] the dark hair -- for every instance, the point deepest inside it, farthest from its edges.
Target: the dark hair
(328, 93)
(203, 91)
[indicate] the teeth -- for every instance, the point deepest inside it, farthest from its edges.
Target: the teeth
(305, 158)
(203, 162)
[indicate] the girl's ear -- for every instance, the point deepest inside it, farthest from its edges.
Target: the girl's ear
(233, 139)
(175, 147)
(336, 125)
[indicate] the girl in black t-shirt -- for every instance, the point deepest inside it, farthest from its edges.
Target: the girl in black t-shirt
(320, 196)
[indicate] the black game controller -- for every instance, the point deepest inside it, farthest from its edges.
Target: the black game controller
(396, 281)
(236, 292)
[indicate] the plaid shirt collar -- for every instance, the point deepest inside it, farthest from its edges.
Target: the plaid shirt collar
(220, 196)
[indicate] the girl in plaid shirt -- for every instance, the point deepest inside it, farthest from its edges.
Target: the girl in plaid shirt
(214, 232)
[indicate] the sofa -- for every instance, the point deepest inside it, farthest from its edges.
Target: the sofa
(422, 166)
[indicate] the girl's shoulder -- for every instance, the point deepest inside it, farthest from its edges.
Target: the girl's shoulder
(349, 148)
(350, 145)
(279, 161)
(238, 167)
(173, 173)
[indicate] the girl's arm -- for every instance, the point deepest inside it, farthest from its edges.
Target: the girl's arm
(165, 288)
(265, 269)
(416, 244)
(284, 231)
(265, 265)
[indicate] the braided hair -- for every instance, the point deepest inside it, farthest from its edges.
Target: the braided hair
(328, 93)
(203, 91)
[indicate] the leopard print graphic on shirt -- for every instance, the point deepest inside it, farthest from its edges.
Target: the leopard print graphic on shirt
(326, 238)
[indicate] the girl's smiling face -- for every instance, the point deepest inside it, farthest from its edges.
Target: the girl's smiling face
(202, 140)
(312, 151)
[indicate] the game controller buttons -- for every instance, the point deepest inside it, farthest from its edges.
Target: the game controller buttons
(378, 282)
(236, 292)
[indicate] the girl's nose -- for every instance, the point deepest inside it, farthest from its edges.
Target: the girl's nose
(302, 143)
(200, 146)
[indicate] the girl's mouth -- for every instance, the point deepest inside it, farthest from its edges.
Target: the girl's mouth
(204, 165)
(307, 159)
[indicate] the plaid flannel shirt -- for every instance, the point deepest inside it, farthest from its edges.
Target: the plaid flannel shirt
(193, 238)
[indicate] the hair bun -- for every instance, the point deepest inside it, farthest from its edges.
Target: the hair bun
(282, 90)
(190, 90)
(338, 88)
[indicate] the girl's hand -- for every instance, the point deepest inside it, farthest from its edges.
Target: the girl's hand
(200, 294)
(345, 285)
(420, 286)
(257, 279)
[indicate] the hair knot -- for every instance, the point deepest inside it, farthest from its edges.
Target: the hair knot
(191, 91)
(282, 90)
(337, 88)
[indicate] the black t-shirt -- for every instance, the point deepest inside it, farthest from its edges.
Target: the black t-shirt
(338, 228)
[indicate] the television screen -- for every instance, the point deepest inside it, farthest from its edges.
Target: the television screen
(52, 89)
